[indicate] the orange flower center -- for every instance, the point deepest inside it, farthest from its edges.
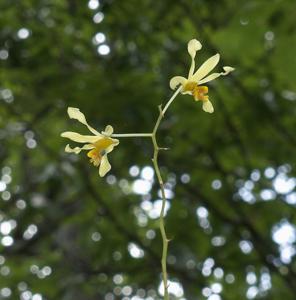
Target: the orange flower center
(198, 92)
(99, 150)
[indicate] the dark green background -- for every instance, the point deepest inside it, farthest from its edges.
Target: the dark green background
(251, 131)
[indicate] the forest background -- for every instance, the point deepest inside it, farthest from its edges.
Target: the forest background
(66, 233)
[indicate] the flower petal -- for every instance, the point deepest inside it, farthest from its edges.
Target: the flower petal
(108, 130)
(206, 68)
(105, 166)
(77, 150)
(210, 77)
(177, 80)
(213, 76)
(111, 147)
(227, 70)
(193, 46)
(79, 138)
(207, 106)
(75, 113)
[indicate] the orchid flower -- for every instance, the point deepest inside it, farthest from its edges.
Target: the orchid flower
(192, 85)
(98, 144)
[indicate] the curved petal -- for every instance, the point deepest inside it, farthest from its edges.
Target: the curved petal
(105, 166)
(213, 76)
(75, 113)
(108, 130)
(207, 106)
(206, 68)
(79, 138)
(177, 80)
(77, 150)
(193, 46)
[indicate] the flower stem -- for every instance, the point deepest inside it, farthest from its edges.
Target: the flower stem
(132, 135)
(171, 100)
(165, 240)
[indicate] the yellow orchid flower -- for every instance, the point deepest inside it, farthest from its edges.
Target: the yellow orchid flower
(98, 144)
(193, 84)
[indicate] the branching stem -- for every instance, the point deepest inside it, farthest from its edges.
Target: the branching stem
(156, 150)
(165, 240)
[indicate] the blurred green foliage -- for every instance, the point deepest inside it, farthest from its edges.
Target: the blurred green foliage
(65, 233)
